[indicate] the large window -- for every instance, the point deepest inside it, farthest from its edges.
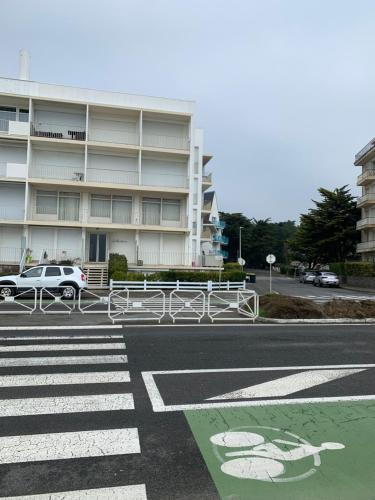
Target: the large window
(156, 209)
(64, 205)
(116, 208)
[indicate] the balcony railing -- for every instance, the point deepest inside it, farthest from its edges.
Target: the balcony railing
(164, 179)
(13, 214)
(366, 199)
(10, 255)
(366, 222)
(165, 141)
(57, 172)
(113, 136)
(207, 179)
(367, 175)
(112, 176)
(165, 258)
(219, 224)
(219, 238)
(365, 150)
(58, 131)
(368, 246)
(57, 254)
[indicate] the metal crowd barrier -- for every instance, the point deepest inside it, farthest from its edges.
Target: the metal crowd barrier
(133, 305)
(187, 304)
(222, 304)
(92, 303)
(52, 302)
(19, 301)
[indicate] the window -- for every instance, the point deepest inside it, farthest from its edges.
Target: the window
(151, 211)
(52, 271)
(7, 113)
(46, 202)
(100, 206)
(23, 115)
(122, 209)
(35, 272)
(68, 270)
(171, 210)
(69, 206)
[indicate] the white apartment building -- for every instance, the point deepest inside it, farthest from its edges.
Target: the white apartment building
(86, 173)
(366, 159)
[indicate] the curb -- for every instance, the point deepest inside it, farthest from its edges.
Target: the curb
(322, 321)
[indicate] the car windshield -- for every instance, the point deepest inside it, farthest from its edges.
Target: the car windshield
(329, 274)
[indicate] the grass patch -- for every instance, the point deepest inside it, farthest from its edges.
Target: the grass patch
(285, 307)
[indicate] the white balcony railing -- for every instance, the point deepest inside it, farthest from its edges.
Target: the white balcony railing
(368, 198)
(10, 255)
(365, 150)
(165, 258)
(366, 222)
(67, 214)
(3, 169)
(368, 246)
(113, 136)
(58, 254)
(164, 180)
(366, 174)
(112, 176)
(12, 213)
(57, 172)
(165, 141)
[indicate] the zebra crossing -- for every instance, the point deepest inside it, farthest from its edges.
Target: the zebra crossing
(322, 299)
(58, 395)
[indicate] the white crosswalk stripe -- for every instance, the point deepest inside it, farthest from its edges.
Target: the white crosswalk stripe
(47, 369)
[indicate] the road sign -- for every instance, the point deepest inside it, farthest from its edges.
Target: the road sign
(271, 259)
(241, 261)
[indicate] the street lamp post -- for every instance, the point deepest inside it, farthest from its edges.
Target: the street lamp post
(240, 246)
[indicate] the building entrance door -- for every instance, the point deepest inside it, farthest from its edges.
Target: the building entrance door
(98, 247)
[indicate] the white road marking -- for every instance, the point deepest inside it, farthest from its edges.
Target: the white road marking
(63, 379)
(61, 347)
(62, 360)
(131, 492)
(287, 385)
(65, 404)
(79, 327)
(65, 337)
(66, 445)
(159, 406)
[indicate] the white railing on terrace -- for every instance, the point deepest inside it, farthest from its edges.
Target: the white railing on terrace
(12, 213)
(178, 285)
(367, 198)
(368, 173)
(366, 246)
(113, 136)
(3, 168)
(165, 141)
(4, 125)
(112, 176)
(156, 220)
(58, 254)
(10, 255)
(66, 214)
(164, 179)
(366, 221)
(167, 258)
(57, 172)
(365, 150)
(58, 131)
(103, 216)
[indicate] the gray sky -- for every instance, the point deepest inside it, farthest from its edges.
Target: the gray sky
(284, 88)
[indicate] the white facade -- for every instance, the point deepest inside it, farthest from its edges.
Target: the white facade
(85, 173)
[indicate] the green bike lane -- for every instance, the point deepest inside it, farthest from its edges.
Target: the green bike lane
(286, 452)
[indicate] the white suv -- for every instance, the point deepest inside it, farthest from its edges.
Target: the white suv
(67, 280)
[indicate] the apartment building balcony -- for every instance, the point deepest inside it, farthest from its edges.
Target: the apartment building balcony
(13, 123)
(58, 172)
(10, 255)
(366, 200)
(359, 157)
(366, 223)
(49, 130)
(219, 224)
(219, 238)
(206, 181)
(367, 177)
(13, 170)
(368, 246)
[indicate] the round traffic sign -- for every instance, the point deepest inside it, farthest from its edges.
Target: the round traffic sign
(241, 261)
(271, 259)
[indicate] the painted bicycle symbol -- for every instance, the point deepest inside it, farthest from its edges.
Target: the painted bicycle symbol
(267, 458)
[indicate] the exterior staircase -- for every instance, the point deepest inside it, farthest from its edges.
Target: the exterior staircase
(96, 274)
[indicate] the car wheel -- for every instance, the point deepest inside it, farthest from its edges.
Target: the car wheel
(68, 292)
(7, 291)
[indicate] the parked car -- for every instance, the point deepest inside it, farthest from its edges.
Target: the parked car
(324, 278)
(307, 277)
(67, 280)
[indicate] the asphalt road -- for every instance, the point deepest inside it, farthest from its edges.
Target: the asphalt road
(84, 412)
(290, 286)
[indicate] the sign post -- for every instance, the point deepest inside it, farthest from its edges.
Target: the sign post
(271, 259)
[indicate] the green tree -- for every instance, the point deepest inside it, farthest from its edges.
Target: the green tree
(327, 233)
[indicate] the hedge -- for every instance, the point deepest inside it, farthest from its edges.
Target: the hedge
(186, 276)
(359, 269)
(117, 264)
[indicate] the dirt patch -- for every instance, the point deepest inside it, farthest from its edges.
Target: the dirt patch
(285, 307)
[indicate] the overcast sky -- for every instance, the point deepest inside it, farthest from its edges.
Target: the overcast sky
(284, 89)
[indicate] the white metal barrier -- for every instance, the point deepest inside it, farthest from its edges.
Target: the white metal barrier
(177, 285)
(92, 303)
(17, 301)
(52, 301)
(187, 304)
(222, 304)
(132, 305)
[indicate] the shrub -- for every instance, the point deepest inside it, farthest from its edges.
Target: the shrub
(66, 262)
(116, 263)
(359, 269)
(229, 266)
(119, 276)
